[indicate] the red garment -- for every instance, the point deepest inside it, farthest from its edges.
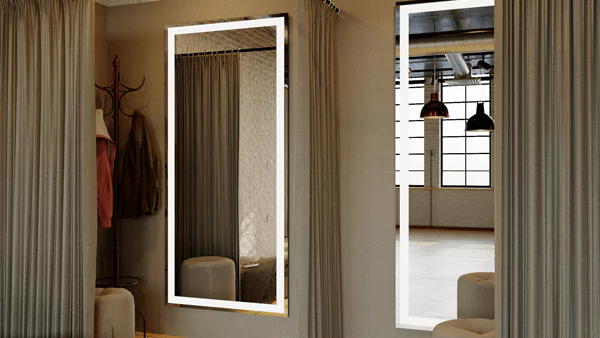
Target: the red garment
(105, 162)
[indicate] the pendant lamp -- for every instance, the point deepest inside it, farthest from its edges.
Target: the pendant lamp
(480, 121)
(434, 109)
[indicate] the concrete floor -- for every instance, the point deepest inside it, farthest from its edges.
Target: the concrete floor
(436, 259)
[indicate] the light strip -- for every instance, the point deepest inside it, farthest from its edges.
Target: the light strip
(403, 320)
(172, 32)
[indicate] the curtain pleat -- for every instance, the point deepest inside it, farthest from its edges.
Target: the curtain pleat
(550, 285)
(325, 304)
(207, 110)
(47, 168)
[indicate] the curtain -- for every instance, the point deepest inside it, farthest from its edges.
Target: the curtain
(47, 168)
(207, 91)
(325, 303)
(549, 207)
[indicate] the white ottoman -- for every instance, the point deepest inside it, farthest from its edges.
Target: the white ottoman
(475, 295)
(114, 313)
(210, 277)
(464, 328)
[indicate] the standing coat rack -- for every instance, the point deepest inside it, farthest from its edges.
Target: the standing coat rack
(116, 93)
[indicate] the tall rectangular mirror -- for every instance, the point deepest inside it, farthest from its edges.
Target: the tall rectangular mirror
(226, 175)
(444, 162)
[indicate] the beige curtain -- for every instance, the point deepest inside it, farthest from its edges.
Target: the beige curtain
(207, 91)
(47, 168)
(325, 303)
(549, 210)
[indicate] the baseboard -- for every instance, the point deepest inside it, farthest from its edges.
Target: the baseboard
(427, 227)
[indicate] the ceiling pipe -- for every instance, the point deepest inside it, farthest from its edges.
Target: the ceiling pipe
(458, 63)
(476, 42)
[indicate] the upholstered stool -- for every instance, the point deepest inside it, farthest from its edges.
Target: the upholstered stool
(210, 277)
(475, 295)
(114, 313)
(465, 328)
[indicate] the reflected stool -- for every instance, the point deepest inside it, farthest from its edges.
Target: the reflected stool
(475, 295)
(465, 328)
(211, 277)
(114, 313)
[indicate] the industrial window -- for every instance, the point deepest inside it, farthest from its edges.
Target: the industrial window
(416, 135)
(465, 156)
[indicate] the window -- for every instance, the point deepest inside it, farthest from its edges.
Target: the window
(465, 156)
(416, 135)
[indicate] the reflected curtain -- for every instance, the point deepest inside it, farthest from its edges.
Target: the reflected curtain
(47, 168)
(549, 205)
(325, 304)
(207, 91)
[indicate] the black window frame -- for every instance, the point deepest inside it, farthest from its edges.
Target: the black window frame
(465, 137)
(412, 82)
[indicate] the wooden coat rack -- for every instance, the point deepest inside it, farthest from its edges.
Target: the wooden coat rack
(116, 93)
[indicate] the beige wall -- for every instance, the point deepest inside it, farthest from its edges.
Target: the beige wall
(104, 253)
(366, 80)
(366, 59)
(136, 33)
(100, 45)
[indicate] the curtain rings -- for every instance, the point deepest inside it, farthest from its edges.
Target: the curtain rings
(331, 5)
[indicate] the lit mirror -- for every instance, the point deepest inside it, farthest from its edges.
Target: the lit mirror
(445, 197)
(227, 231)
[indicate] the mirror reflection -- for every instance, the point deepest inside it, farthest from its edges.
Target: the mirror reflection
(444, 163)
(228, 222)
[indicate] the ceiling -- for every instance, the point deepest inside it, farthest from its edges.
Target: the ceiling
(431, 24)
(449, 21)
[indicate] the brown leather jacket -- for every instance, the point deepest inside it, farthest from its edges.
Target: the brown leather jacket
(141, 164)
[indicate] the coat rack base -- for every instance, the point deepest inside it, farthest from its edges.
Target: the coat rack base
(121, 282)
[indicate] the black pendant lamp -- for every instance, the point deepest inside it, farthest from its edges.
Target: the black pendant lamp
(434, 109)
(480, 121)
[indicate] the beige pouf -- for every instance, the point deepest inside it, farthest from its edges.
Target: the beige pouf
(465, 328)
(114, 313)
(475, 295)
(210, 277)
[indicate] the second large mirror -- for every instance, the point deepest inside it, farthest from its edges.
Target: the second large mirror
(227, 244)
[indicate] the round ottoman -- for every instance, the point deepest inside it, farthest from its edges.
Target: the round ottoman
(475, 295)
(114, 314)
(464, 328)
(210, 277)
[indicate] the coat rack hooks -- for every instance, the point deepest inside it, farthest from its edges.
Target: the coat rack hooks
(113, 90)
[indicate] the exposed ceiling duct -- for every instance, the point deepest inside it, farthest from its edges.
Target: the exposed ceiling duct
(457, 61)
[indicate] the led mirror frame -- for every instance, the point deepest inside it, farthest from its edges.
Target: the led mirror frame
(403, 320)
(279, 23)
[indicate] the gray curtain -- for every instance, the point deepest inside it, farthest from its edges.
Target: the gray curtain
(549, 210)
(207, 91)
(325, 302)
(47, 168)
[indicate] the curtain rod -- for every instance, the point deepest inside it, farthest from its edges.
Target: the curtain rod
(247, 50)
(331, 5)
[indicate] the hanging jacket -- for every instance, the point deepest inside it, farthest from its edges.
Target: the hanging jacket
(141, 163)
(105, 162)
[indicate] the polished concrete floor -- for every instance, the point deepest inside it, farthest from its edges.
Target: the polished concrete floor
(436, 259)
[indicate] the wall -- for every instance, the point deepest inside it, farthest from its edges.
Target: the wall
(257, 133)
(137, 34)
(366, 82)
(366, 39)
(104, 253)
